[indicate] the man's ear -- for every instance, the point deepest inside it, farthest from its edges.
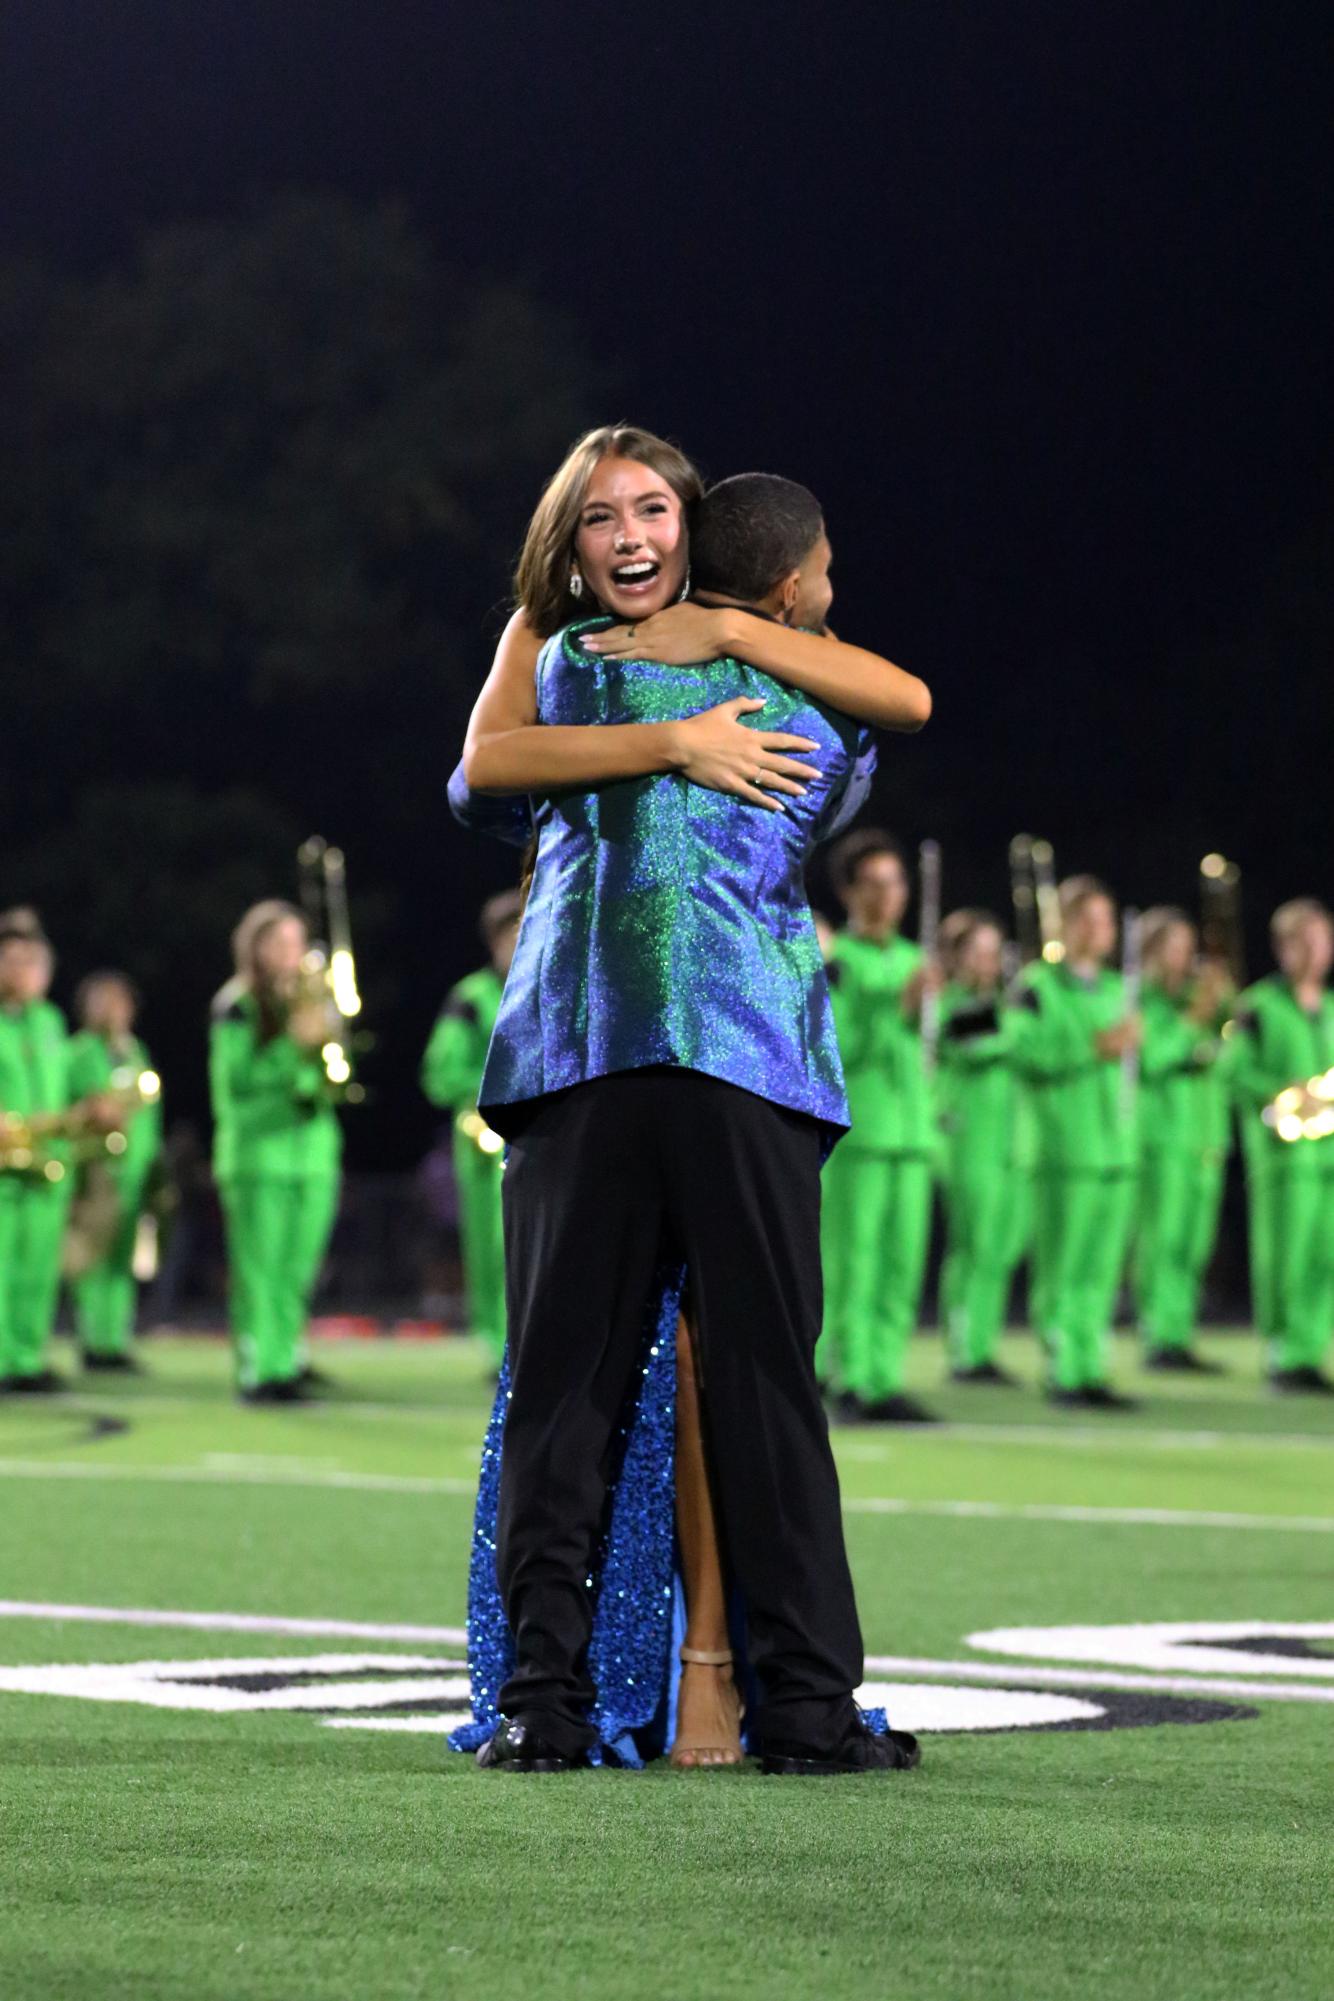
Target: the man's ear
(788, 593)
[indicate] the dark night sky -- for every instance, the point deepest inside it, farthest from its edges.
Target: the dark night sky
(1035, 296)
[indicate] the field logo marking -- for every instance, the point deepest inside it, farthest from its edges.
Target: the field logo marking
(415, 1692)
(1177, 1672)
(1220, 1647)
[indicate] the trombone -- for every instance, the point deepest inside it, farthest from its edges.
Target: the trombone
(1221, 935)
(1037, 903)
(329, 969)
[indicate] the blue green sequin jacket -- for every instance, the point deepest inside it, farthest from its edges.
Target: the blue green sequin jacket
(669, 924)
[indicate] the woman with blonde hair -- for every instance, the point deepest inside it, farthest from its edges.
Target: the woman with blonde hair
(277, 1147)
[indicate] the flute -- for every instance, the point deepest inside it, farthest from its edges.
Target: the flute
(1132, 979)
(928, 937)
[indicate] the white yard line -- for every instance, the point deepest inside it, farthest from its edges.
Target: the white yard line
(274, 1473)
(858, 1444)
(233, 1622)
(1044, 1511)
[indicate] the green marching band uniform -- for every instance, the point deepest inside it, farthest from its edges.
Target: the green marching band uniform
(34, 1079)
(451, 1076)
(987, 1172)
(1086, 1162)
(876, 1205)
(1183, 1134)
(104, 1293)
(1274, 1042)
(277, 1146)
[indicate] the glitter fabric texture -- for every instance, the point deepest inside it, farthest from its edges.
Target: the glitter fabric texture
(669, 924)
(631, 1654)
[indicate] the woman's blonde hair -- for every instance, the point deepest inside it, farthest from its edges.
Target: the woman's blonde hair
(542, 577)
(260, 917)
(1156, 922)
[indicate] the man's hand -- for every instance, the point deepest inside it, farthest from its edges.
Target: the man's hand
(717, 750)
(681, 636)
(1114, 1043)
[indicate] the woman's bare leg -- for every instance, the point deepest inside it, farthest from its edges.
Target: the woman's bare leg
(708, 1710)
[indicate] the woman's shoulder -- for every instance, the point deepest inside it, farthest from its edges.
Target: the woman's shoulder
(232, 1002)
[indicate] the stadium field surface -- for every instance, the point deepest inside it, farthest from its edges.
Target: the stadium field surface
(231, 1642)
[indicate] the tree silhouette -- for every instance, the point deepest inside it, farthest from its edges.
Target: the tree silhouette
(261, 494)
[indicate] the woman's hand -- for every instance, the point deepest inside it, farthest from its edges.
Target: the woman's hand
(681, 636)
(719, 751)
(308, 1024)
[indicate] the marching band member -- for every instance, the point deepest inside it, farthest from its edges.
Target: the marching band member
(106, 1046)
(1282, 1039)
(877, 1185)
(277, 1147)
(988, 1163)
(1071, 1033)
(1183, 1123)
(451, 1074)
(34, 1182)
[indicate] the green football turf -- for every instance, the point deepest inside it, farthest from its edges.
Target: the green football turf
(256, 1856)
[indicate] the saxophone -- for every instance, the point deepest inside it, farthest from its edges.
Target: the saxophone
(1303, 1111)
(29, 1140)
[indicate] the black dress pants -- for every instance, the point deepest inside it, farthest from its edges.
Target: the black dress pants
(601, 1180)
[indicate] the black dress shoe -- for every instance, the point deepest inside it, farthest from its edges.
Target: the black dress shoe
(1182, 1362)
(516, 1748)
(897, 1409)
(862, 1750)
(310, 1379)
(1305, 1381)
(112, 1365)
(985, 1372)
(45, 1383)
(1064, 1399)
(847, 1409)
(276, 1392)
(1101, 1396)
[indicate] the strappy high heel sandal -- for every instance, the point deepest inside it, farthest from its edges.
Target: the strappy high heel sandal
(705, 1752)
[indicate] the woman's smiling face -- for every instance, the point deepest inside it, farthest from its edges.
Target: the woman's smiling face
(630, 545)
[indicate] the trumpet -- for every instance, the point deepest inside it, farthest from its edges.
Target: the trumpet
(1303, 1111)
(328, 978)
(29, 1140)
(1037, 906)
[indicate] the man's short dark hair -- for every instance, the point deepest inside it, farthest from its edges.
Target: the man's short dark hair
(846, 856)
(751, 531)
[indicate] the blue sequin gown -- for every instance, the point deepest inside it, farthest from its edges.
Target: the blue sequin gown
(584, 999)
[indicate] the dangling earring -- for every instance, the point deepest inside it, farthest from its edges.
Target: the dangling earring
(576, 584)
(684, 591)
